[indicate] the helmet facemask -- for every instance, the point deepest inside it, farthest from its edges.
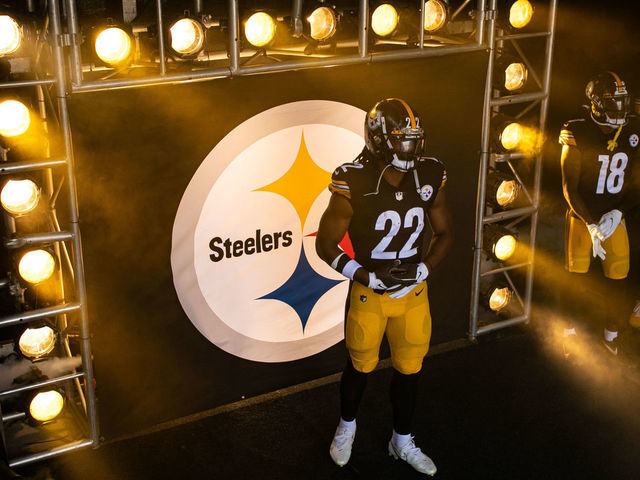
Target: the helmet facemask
(611, 110)
(404, 149)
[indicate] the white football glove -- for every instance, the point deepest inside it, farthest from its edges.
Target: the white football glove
(420, 275)
(376, 284)
(595, 234)
(608, 223)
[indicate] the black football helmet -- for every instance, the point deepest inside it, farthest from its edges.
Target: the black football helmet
(610, 101)
(393, 133)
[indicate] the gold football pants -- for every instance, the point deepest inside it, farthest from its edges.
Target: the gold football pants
(406, 322)
(577, 243)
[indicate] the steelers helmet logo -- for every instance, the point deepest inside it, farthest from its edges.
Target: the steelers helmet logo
(633, 140)
(243, 248)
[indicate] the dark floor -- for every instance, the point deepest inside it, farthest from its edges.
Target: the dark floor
(507, 408)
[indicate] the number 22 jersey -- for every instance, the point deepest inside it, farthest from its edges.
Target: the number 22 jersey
(607, 161)
(388, 222)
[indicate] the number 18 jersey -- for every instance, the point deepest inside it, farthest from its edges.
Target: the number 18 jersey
(607, 161)
(388, 222)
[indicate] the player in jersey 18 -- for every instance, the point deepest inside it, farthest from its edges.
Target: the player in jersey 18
(600, 172)
(383, 200)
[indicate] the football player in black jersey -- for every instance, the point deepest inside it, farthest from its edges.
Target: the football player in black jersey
(599, 154)
(383, 200)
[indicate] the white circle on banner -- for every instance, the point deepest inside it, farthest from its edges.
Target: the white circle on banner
(243, 245)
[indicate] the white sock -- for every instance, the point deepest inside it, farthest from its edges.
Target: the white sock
(569, 331)
(609, 336)
(400, 440)
(349, 425)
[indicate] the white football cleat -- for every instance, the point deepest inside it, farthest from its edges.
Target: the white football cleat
(340, 449)
(413, 456)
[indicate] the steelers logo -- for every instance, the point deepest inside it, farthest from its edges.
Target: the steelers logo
(425, 192)
(243, 248)
(633, 140)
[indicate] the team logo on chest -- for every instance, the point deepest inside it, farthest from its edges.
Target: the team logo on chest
(399, 196)
(633, 140)
(425, 192)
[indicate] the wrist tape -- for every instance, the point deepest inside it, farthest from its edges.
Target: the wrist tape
(346, 266)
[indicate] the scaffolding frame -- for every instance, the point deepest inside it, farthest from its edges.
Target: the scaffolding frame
(68, 80)
(492, 103)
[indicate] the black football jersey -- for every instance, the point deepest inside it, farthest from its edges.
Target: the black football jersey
(388, 222)
(607, 161)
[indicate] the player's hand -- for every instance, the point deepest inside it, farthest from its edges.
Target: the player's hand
(608, 223)
(596, 234)
(384, 282)
(410, 273)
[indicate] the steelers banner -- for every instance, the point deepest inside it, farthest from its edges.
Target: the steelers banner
(243, 247)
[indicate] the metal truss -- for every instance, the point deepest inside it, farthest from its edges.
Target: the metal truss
(482, 319)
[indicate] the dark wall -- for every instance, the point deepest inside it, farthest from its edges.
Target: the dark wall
(136, 152)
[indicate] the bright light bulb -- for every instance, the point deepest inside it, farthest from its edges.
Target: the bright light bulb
(10, 35)
(507, 192)
(36, 342)
(323, 23)
(384, 20)
(500, 298)
(512, 136)
(46, 406)
(514, 76)
(435, 15)
(187, 36)
(520, 13)
(260, 29)
(113, 45)
(19, 196)
(14, 118)
(36, 266)
(505, 247)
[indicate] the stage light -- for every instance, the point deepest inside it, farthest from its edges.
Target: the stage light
(384, 20)
(260, 29)
(187, 37)
(19, 196)
(507, 192)
(499, 298)
(37, 342)
(322, 23)
(499, 242)
(503, 190)
(504, 247)
(113, 45)
(46, 406)
(511, 136)
(10, 35)
(520, 13)
(515, 76)
(36, 266)
(14, 118)
(435, 15)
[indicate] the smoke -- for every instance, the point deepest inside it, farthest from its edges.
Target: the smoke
(14, 372)
(610, 383)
